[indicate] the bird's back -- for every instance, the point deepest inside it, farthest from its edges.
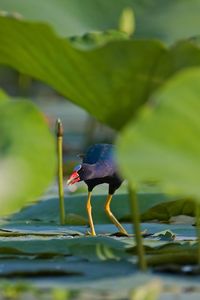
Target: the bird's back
(101, 157)
(98, 153)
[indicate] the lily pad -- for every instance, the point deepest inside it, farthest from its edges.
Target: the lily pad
(92, 248)
(166, 235)
(75, 206)
(118, 70)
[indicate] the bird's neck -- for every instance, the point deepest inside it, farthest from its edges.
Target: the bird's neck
(98, 170)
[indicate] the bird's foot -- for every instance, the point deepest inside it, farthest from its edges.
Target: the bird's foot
(89, 233)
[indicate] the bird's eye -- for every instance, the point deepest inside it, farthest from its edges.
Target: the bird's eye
(77, 168)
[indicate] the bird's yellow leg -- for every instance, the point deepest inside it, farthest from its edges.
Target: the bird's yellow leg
(89, 211)
(112, 217)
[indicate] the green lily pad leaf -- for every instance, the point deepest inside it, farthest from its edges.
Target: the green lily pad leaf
(20, 268)
(166, 235)
(189, 269)
(98, 248)
(93, 79)
(91, 248)
(27, 153)
(16, 229)
(163, 144)
(89, 272)
(164, 211)
(182, 231)
(181, 258)
(168, 253)
(23, 230)
(75, 206)
(75, 219)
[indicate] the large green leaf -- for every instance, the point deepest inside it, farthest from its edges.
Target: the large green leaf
(39, 230)
(110, 81)
(64, 246)
(48, 210)
(91, 257)
(104, 81)
(163, 144)
(27, 154)
(89, 273)
(91, 248)
(164, 19)
(164, 211)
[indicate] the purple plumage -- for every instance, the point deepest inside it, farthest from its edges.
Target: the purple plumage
(99, 167)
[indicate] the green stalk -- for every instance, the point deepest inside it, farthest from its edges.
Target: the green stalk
(198, 231)
(59, 131)
(136, 224)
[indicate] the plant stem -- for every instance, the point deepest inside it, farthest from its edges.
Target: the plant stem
(59, 131)
(198, 231)
(136, 225)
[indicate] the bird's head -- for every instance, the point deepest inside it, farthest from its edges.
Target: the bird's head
(81, 172)
(74, 177)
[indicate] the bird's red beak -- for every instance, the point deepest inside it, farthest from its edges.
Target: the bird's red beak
(73, 178)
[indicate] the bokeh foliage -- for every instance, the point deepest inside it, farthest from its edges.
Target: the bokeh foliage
(27, 153)
(166, 20)
(115, 78)
(162, 145)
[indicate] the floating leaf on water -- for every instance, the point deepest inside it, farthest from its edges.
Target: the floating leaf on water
(166, 235)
